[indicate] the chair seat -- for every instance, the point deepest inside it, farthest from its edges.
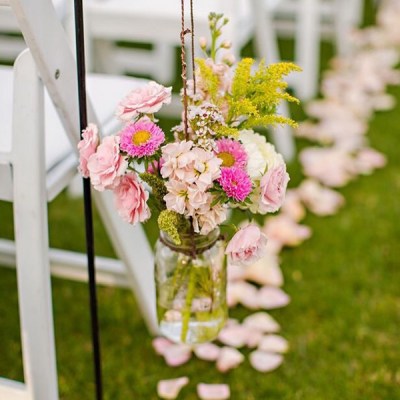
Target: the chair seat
(144, 20)
(105, 93)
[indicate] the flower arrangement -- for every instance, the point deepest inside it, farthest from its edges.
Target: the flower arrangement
(211, 162)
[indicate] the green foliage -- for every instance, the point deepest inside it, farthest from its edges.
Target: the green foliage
(158, 188)
(172, 223)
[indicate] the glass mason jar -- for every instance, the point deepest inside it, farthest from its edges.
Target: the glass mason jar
(191, 287)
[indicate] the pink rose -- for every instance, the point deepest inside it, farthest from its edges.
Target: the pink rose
(273, 188)
(144, 100)
(87, 146)
(131, 200)
(247, 246)
(106, 165)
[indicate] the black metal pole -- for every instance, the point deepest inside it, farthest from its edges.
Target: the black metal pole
(81, 70)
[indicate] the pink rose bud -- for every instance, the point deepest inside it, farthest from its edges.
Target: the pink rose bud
(203, 42)
(247, 246)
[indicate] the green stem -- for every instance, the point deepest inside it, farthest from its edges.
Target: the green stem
(188, 303)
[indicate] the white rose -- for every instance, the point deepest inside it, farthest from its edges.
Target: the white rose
(261, 153)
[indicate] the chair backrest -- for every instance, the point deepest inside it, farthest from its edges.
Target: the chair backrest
(54, 59)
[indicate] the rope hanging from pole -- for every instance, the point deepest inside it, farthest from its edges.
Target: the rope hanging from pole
(81, 72)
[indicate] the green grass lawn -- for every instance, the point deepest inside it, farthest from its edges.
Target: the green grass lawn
(342, 325)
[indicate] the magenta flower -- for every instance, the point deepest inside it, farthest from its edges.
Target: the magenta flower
(235, 183)
(231, 152)
(141, 138)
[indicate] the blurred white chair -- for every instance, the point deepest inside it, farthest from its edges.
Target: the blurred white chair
(157, 22)
(308, 21)
(39, 131)
(11, 40)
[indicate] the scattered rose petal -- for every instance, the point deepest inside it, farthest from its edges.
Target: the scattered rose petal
(265, 362)
(331, 166)
(169, 389)
(235, 335)
(270, 298)
(273, 344)
(177, 354)
(229, 358)
(261, 321)
(235, 272)
(320, 200)
(265, 271)
(369, 159)
(254, 338)
(286, 231)
(292, 207)
(207, 351)
(160, 344)
(213, 391)
(242, 292)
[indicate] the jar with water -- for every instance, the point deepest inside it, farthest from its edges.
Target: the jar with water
(191, 287)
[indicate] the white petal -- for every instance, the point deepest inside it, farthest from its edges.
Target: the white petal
(273, 344)
(234, 335)
(169, 389)
(229, 358)
(265, 362)
(213, 392)
(270, 298)
(265, 271)
(177, 354)
(262, 322)
(160, 344)
(207, 351)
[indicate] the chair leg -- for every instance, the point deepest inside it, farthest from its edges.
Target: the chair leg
(132, 247)
(31, 233)
(283, 135)
(307, 52)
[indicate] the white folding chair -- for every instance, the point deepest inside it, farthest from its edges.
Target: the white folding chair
(11, 40)
(37, 160)
(308, 21)
(156, 22)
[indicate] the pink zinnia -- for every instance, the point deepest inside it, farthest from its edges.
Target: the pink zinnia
(235, 182)
(141, 138)
(232, 153)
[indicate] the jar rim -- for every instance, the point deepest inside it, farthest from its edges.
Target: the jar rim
(200, 242)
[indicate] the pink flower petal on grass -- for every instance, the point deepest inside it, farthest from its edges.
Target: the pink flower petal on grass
(160, 344)
(213, 392)
(369, 159)
(273, 344)
(207, 351)
(265, 271)
(229, 358)
(169, 389)
(320, 200)
(254, 338)
(235, 335)
(242, 292)
(265, 362)
(177, 354)
(270, 298)
(292, 207)
(262, 321)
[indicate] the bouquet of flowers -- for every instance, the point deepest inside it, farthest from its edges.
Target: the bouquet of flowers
(211, 162)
